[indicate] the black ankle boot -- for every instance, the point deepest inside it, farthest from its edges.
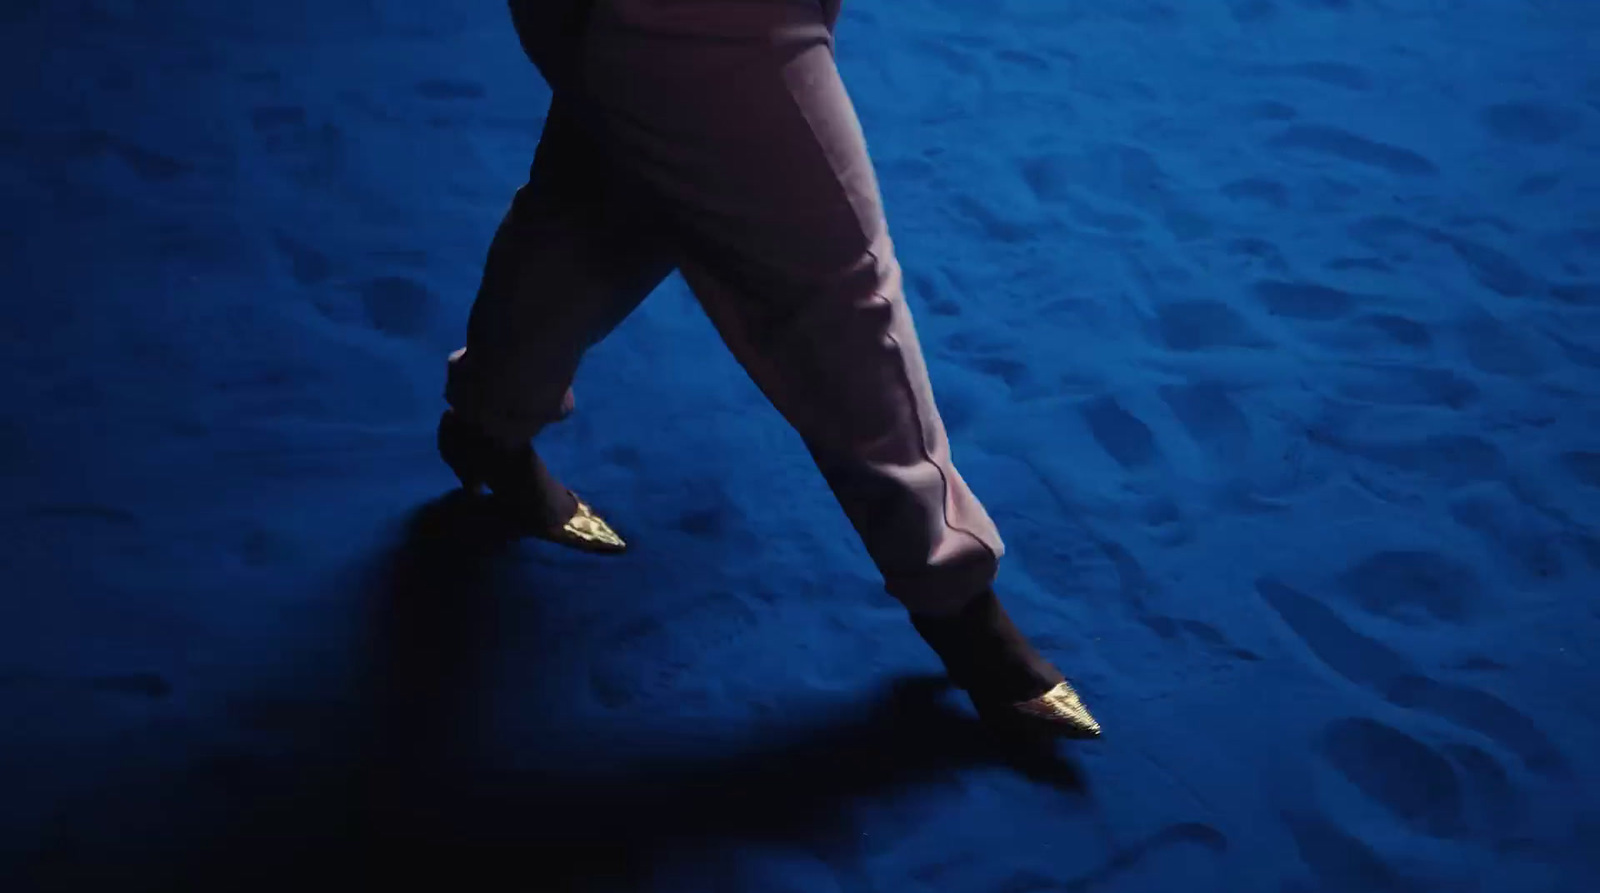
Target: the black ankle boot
(517, 477)
(1008, 680)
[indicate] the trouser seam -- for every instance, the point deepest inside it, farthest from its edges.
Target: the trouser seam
(922, 438)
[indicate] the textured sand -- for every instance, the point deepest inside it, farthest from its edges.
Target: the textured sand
(1269, 330)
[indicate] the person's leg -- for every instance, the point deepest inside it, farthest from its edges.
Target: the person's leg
(736, 116)
(550, 32)
(574, 255)
(749, 136)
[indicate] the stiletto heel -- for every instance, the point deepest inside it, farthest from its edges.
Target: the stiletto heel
(454, 453)
(1013, 687)
(517, 477)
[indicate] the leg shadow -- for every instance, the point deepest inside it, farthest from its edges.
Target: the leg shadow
(579, 827)
(398, 792)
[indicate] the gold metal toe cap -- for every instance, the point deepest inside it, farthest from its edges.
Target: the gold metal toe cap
(1062, 706)
(585, 528)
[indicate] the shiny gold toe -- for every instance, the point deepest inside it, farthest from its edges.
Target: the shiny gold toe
(587, 530)
(1061, 706)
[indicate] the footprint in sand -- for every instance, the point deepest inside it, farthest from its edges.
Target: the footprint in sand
(1589, 548)
(1133, 583)
(1383, 671)
(1332, 196)
(1031, 62)
(1331, 74)
(1016, 374)
(307, 265)
(1406, 386)
(1415, 587)
(935, 294)
(296, 383)
(1134, 590)
(994, 224)
(1361, 660)
(1453, 459)
(1584, 238)
(1340, 861)
(1399, 329)
(1485, 714)
(1211, 417)
(996, 356)
(150, 166)
(1120, 433)
(1494, 269)
(1212, 639)
(45, 153)
(1583, 465)
(1127, 858)
(313, 154)
(1529, 123)
(1513, 527)
(1495, 806)
(1056, 182)
(1492, 222)
(1258, 253)
(398, 305)
(1493, 347)
(624, 455)
(1393, 238)
(1258, 189)
(1577, 354)
(1202, 324)
(1411, 780)
(1089, 215)
(1120, 173)
(1478, 663)
(1352, 148)
(707, 512)
(1304, 301)
(1538, 184)
(1584, 294)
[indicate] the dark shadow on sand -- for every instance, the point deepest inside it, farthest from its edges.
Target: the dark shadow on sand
(391, 794)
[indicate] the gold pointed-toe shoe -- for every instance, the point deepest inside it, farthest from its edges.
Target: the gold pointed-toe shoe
(585, 531)
(517, 478)
(1062, 711)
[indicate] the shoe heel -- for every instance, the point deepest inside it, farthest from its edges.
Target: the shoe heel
(451, 450)
(470, 483)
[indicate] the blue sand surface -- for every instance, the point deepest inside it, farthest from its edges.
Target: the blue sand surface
(1269, 331)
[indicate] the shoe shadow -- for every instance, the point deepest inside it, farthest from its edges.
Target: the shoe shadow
(450, 594)
(433, 602)
(612, 829)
